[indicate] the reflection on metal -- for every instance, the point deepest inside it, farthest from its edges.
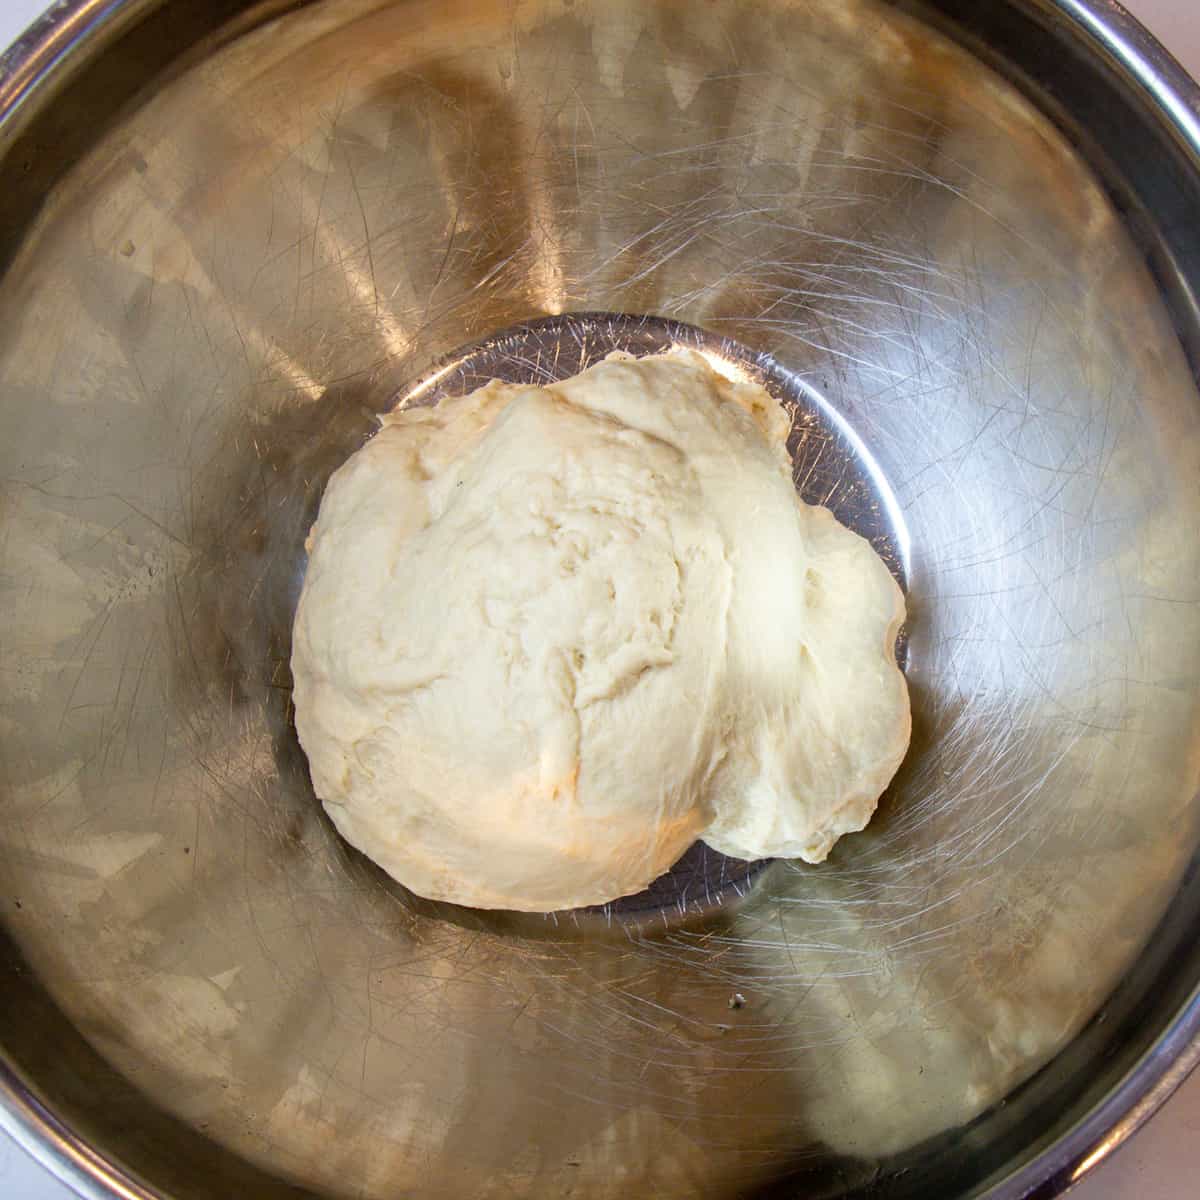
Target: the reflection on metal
(1101, 1152)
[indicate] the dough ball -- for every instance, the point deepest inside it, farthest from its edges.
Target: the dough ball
(549, 637)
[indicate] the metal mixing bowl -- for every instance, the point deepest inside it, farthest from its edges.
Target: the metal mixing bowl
(232, 232)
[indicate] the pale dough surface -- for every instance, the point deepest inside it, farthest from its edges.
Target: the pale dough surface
(548, 637)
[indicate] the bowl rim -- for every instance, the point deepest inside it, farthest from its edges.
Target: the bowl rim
(43, 55)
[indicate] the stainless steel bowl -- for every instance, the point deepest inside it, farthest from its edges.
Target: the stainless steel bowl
(231, 233)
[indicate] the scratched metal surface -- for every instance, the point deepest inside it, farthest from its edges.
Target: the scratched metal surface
(295, 230)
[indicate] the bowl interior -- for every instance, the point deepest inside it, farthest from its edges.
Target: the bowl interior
(295, 223)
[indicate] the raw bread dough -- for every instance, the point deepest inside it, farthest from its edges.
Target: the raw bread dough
(548, 637)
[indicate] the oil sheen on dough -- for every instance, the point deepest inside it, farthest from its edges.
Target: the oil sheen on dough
(550, 636)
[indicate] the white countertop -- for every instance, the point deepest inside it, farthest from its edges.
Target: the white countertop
(1163, 1161)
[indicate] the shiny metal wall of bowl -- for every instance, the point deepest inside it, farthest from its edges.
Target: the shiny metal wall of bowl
(297, 225)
